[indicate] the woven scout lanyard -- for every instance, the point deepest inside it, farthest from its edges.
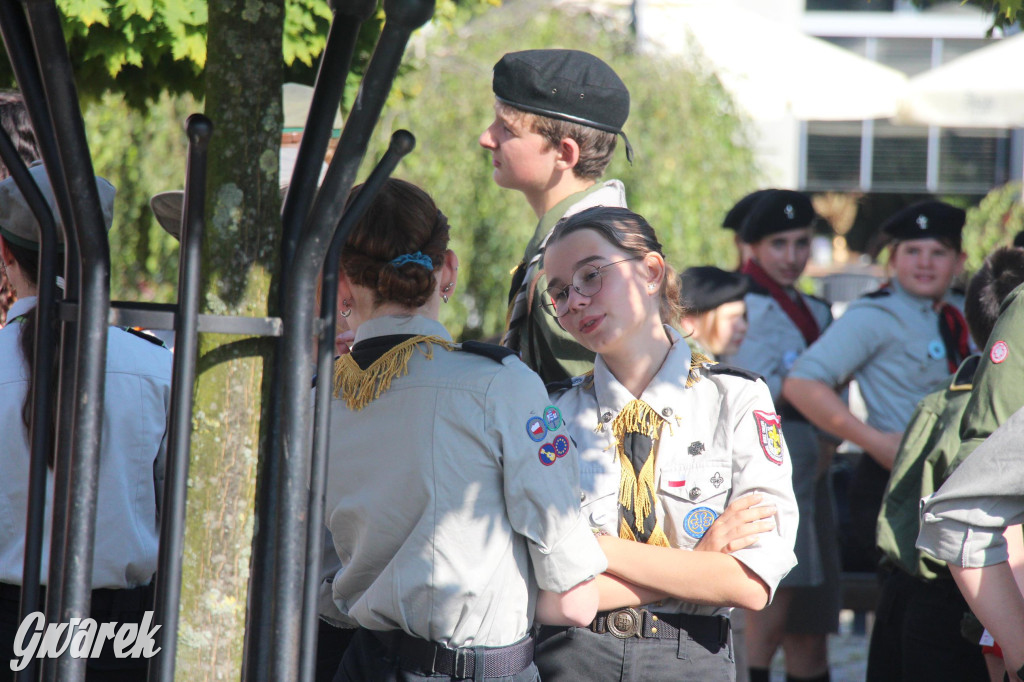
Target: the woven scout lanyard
(360, 387)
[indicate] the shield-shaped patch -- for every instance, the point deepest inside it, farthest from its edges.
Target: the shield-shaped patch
(769, 433)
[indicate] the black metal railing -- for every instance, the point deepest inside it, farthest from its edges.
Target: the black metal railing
(286, 549)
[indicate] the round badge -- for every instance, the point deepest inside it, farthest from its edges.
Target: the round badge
(552, 417)
(936, 350)
(999, 352)
(561, 444)
(698, 521)
(547, 454)
(535, 429)
(788, 358)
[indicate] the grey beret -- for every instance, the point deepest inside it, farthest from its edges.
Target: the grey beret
(18, 224)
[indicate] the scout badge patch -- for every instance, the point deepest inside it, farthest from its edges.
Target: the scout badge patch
(698, 521)
(769, 433)
(547, 454)
(535, 429)
(552, 417)
(999, 352)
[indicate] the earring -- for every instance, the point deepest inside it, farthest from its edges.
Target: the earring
(444, 292)
(650, 287)
(348, 308)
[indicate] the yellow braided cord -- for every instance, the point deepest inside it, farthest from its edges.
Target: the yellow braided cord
(360, 387)
(696, 361)
(636, 492)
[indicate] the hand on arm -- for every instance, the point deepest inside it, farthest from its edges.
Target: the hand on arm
(826, 410)
(710, 578)
(738, 526)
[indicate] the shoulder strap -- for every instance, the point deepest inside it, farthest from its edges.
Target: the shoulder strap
(488, 350)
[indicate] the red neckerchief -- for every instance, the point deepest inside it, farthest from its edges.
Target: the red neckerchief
(797, 310)
(953, 330)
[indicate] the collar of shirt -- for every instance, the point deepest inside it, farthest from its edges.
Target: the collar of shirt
(401, 324)
(21, 306)
(664, 392)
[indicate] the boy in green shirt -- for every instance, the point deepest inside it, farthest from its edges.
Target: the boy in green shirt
(556, 117)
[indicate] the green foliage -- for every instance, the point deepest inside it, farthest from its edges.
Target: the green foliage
(1004, 12)
(141, 154)
(691, 158)
(993, 223)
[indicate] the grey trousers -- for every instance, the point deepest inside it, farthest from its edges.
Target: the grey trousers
(579, 655)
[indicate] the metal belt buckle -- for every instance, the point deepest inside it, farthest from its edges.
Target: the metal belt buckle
(624, 623)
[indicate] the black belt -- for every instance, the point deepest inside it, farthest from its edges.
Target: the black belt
(630, 622)
(418, 654)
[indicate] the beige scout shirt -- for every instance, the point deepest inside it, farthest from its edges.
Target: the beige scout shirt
(710, 452)
(444, 515)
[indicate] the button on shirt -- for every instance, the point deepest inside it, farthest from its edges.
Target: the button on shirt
(709, 452)
(444, 512)
(891, 344)
(136, 401)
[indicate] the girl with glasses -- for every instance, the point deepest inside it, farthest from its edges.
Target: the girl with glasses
(666, 440)
(452, 503)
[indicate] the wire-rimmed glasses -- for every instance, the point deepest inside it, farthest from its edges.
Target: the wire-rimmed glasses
(586, 280)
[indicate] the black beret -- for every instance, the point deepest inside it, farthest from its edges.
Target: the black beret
(707, 287)
(777, 210)
(927, 220)
(565, 84)
(734, 218)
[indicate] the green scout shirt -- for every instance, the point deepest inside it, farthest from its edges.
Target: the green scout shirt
(998, 390)
(547, 348)
(929, 447)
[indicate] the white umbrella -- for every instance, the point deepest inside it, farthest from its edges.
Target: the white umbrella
(771, 68)
(982, 89)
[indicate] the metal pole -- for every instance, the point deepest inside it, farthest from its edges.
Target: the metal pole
(327, 92)
(16, 36)
(42, 372)
(402, 142)
(76, 164)
(293, 446)
(179, 429)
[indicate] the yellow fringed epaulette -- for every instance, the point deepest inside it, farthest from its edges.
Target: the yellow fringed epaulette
(697, 360)
(360, 387)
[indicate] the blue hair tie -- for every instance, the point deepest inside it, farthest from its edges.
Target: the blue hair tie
(418, 258)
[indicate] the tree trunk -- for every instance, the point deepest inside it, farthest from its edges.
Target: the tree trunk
(243, 99)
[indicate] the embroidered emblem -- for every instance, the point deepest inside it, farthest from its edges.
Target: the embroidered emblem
(694, 493)
(535, 429)
(936, 350)
(717, 479)
(1000, 351)
(547, 454)
(561, 444)
(769, 432)
(552, 417)
(698, 521)
(677, 484)
(696, 448)
(922, 221)
(790, 213)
